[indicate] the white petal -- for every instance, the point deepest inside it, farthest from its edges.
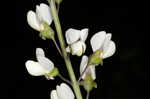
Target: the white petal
(46, 63)
(35, 69)
(64, 92)
(97, 40)
(111, 48)
(32, 20)
(78, 48)
(84, 34)
(38, 14)
(83, 64)
(83, 47)
(72, 35)
(93, 74)
(106, 42)
(44, 13)
(54, 94)
(40, 52)
(68, 49)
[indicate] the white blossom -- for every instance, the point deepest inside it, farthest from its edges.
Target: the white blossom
(62, 92)
(42, 14)
(90, 69)
(42, 66)
(102, 41)
(76, 41)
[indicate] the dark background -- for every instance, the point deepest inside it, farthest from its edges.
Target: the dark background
(123, 76)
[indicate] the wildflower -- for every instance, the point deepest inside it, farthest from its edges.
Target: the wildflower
(102, 46)
(40, 20)
(76, 41)
(62, 92)
(43, 66)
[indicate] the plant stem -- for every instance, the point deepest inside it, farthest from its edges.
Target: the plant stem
(64, 79)
(57, 47)
(88, 94)
(63, 47)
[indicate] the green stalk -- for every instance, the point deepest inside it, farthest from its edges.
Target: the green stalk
(63, 47)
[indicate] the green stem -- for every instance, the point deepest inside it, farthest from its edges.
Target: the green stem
(63, 47)
(64, 79)
(57, 47)
(88, 94)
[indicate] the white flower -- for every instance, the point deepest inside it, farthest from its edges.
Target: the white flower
(36, 19)
(76, 41)
(90, 69)
(62, 92)
(102, 41)
(42, 67)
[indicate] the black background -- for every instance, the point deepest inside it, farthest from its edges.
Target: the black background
(124, 75)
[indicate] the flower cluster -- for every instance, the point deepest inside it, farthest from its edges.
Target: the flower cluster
(101, 43)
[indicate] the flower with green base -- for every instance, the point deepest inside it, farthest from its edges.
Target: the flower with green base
(102, 46)
(62, 92)
(43, 66)
(40, 20)
(76, 41)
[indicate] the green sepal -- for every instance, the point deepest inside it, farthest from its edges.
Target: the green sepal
(47, 33)
(88, 83)
(53, 73)
(95, 58)
(58, 1)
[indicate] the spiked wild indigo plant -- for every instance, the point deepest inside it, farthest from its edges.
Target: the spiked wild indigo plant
(101, 43)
